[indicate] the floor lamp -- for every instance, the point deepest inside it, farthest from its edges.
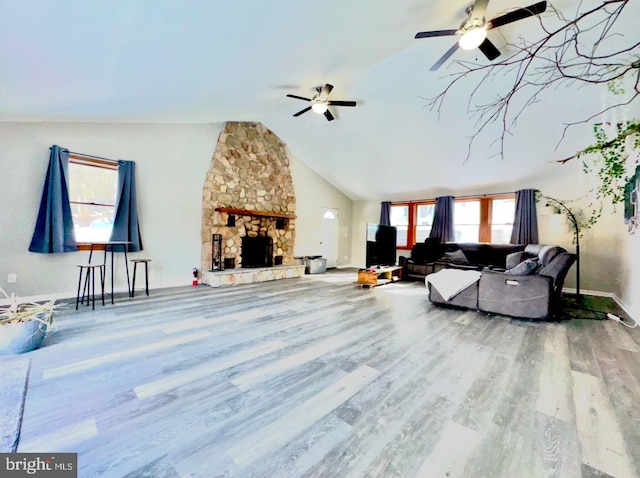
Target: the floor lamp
(576, 233)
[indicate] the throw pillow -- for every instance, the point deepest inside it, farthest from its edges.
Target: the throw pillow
(514, 259)
(457, 257)
(526, 267)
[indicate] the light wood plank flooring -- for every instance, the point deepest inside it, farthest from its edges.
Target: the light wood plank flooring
(318, 377)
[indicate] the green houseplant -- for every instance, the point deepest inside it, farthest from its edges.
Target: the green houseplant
(24, 325)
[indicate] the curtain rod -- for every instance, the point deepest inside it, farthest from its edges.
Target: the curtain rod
(484, 195)
(91, 156)
(456, 197)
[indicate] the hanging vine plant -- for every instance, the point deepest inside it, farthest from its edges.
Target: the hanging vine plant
(611, 163)
(612, 159)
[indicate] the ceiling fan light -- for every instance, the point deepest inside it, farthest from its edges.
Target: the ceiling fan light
(319, 108)
(472, 38)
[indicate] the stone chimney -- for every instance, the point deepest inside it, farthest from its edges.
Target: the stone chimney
(249, 173)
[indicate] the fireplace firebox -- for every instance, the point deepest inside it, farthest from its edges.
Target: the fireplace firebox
(257, 251)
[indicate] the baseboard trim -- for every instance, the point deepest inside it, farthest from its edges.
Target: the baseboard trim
(40, 298)
(599, 293)
(46, 297)
(625, 307)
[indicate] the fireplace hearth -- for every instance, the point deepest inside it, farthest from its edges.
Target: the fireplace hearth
(257, 251)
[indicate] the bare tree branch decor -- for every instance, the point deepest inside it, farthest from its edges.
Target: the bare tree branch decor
(585, 50)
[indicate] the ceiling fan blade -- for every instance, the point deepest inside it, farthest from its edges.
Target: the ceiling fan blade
(328, 115)
(436, 33)
(479, 9)
(302, 111)
(341, 103)
(326, 89)
(299, 97)
(519, 14)
(444, 57)
(489, 49)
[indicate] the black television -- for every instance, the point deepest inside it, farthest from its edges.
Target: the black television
(381, 245)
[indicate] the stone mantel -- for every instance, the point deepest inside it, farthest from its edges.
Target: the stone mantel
(247, 212)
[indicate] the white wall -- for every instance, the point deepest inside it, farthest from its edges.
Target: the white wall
(629, 272)
(363, 212)
(171, 165)
(312, 194)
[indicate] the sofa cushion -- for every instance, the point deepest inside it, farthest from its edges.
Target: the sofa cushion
(418, 270)
(528, 296)
(468, 298)
(418, 253)
(514, 259)
(474, 252)
(526, 267)
(557, 269)
(533, 250)
(485, 255)
(428, 251)
(450, 282)
(496, 254)
(548, 253)
(457, 257)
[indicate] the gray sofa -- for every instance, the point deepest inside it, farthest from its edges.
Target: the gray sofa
(529, 287)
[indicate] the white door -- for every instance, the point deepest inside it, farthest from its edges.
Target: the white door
(330, 236)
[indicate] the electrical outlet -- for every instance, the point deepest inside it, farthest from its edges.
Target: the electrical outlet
(12, 278)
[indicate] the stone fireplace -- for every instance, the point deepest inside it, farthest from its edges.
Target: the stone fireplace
(248, 193)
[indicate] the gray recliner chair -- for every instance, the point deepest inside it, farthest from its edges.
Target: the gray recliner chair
(531, 295)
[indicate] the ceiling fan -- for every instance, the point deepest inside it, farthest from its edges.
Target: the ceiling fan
(320, 102)
(473, 31)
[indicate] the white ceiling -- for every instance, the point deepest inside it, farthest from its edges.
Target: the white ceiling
(208, 61)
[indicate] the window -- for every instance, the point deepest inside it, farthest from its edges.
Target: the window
(399, 216)
(502, 213)
(424, 221)
(466, 219)
(92, 194)
(413, 222)
(484, 219)
(476, 219)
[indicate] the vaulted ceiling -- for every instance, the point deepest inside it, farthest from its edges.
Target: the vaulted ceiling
(209, 61)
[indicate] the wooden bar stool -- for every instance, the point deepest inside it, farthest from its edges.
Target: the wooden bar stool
(89, 287)
(146, 275)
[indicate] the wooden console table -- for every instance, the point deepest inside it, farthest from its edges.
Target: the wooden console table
(379, 275)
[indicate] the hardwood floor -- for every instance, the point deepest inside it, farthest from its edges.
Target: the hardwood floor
(318, 377)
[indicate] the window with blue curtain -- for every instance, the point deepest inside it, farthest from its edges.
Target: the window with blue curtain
(54, 231)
